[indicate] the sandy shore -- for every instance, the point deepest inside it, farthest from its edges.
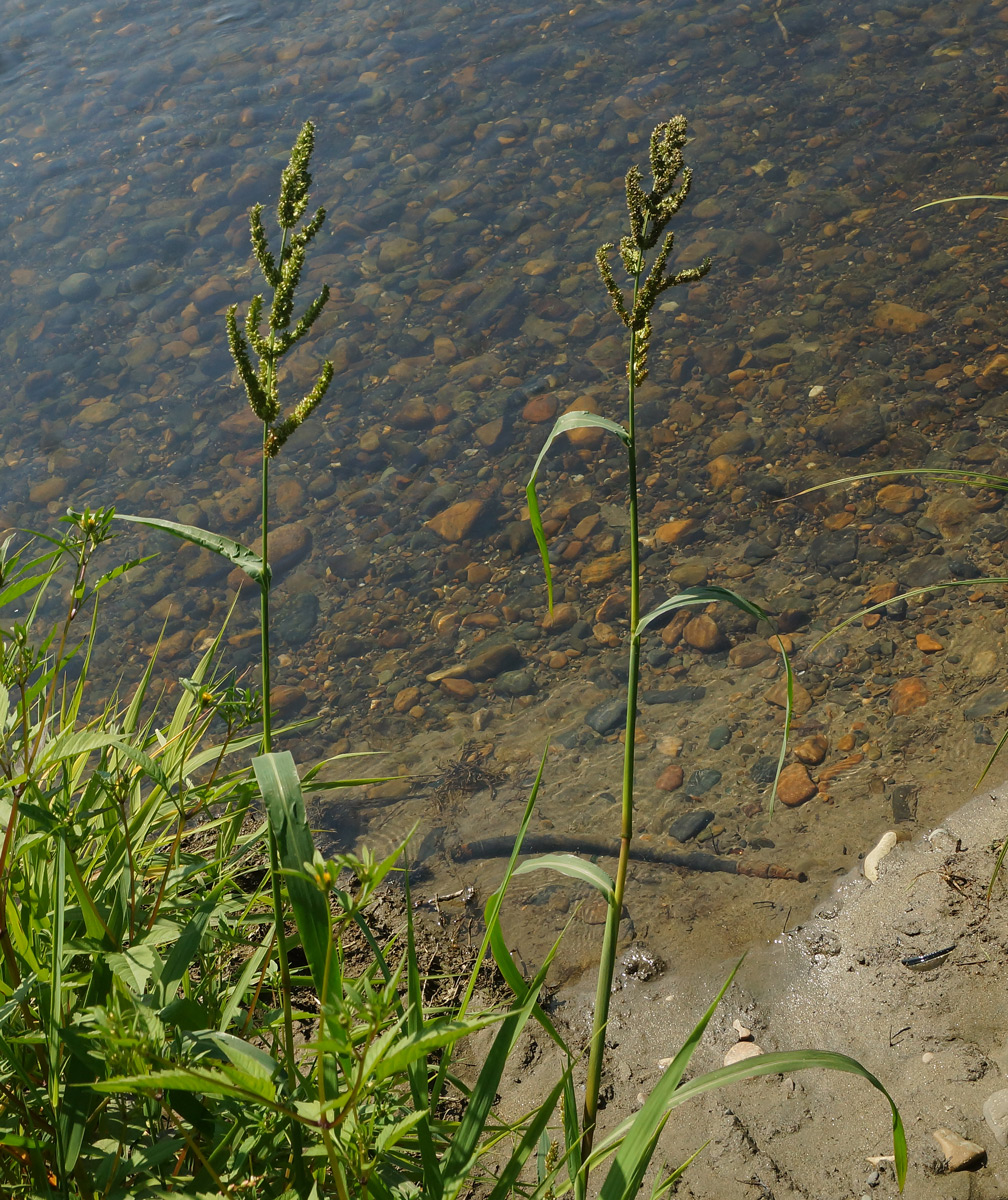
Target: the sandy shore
(937, 1038)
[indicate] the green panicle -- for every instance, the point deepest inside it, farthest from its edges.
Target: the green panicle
(258, 343)
(649, 213)
(257, 396)
(309, 317)
(309, 230)
(283, 297)
(615, 295)
(260, 245)
(283, 429)
(283, 275)
(296, 179)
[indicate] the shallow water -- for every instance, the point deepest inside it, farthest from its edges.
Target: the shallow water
(471, 160)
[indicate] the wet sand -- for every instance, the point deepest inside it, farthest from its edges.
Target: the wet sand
(937, 1038)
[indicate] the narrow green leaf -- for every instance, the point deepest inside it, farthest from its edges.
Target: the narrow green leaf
(696, 596)
(52, 1032)
(954, 200)
(633, 1156)
(422, 1093)
(563, 424)
(691, 598)
(969, 478)
(574, 868)
(465, 1146)
(534, 1131)
(184, 951)
(201, 1081)
(241, 556)
(278, 781)
(627, 1169)
(247, 1058)
(783, 1061)
(435, 1036)
(73, 743)
(94, 922)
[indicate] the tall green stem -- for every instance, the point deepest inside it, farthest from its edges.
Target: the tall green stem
(264, 620)
(276, 890)
(607, 961)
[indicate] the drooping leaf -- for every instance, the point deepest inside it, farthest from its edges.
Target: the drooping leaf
(563, 424)
(235, 553)
(574, 868)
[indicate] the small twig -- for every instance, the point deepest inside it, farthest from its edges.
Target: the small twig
(780, 23)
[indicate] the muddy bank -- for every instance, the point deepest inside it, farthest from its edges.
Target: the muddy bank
(937, 1037)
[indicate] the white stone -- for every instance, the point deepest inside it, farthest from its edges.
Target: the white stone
(960, 1153)
(741, 1051)
(995, 1113)
(874, 857)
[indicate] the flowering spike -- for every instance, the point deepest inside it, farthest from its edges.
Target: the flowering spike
(649, 213)
(260, 245)
(283, 277)
(296, 179)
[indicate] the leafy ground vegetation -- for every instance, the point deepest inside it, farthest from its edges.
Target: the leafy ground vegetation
(193, 1001)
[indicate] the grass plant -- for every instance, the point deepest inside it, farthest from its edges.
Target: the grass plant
(645, 250)
(152, 901)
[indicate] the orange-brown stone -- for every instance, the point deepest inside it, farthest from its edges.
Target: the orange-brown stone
(899, 318)
(604, 569)
(702, 634)
(879, 593)
(455, 522)
(927, 644)
(678, 533)
(723, 471)
(907, 695)
(795, 786)
(899, 498)
(812, 751)
(406, 699)
(562, 617)
(539, 409)
(671, 778)
(801, 697)
(459, 689)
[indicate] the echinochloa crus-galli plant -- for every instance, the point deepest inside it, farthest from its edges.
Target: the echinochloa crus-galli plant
(649, 215)
(283, 277)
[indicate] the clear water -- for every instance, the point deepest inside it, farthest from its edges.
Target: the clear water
(470, 156)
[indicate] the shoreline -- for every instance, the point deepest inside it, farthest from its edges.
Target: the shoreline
(936, 1037)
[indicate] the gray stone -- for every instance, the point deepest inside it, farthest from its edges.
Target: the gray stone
(514, 683)
(757, 248)
(702, 781)
(830, 549)
(297, 618)
(773, 329)
(684, 694)
(493, 661)
(690, 824)
(989, 703)
(79, 286)
(607, 716)
(764, 770)
(719, 737)
(852, 430)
